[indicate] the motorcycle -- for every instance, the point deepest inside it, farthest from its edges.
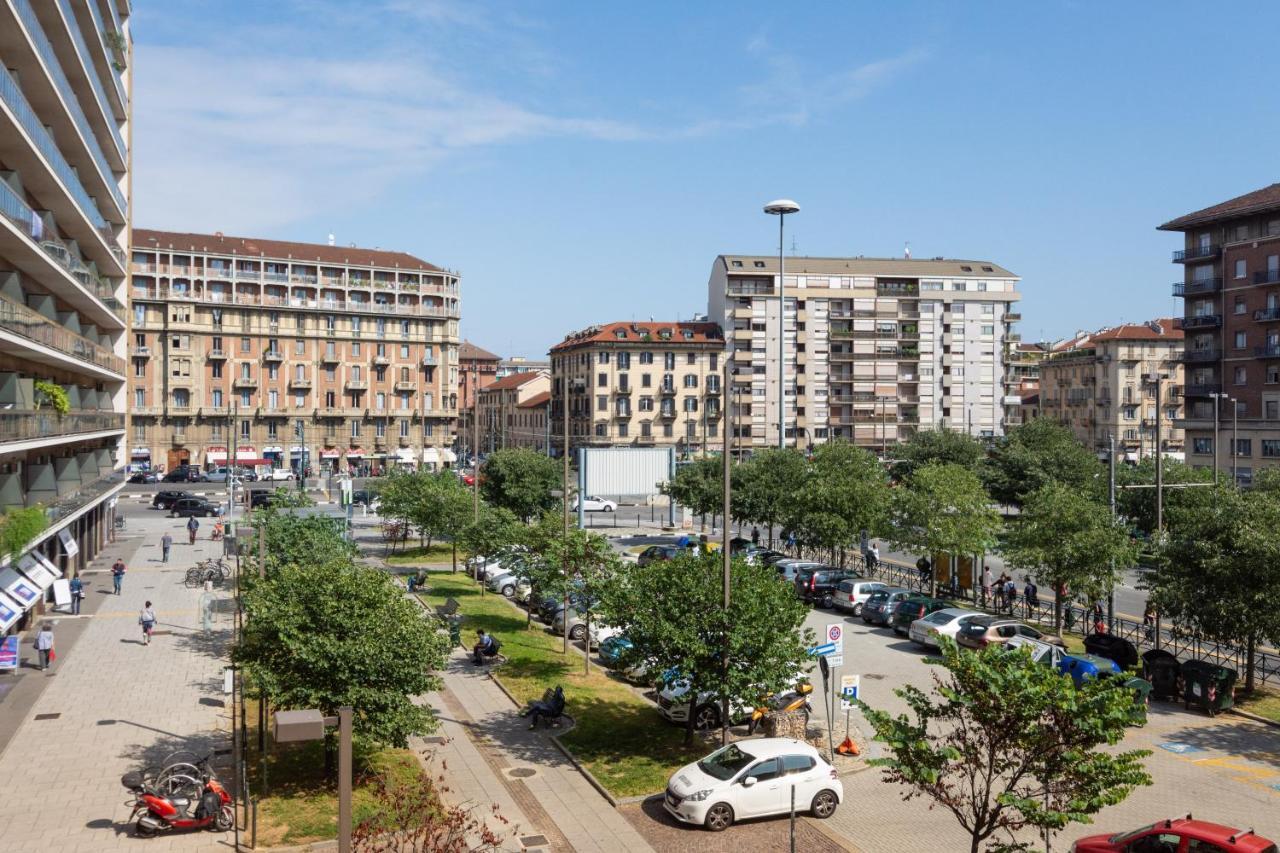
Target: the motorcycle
(791, 700)
(180, 801)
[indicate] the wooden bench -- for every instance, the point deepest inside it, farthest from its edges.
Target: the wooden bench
(449, 608)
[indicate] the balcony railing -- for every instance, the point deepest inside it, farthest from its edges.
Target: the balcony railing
(329, 358)
(1267, 351)
(1196, 253)
(1266, 277)
(1202, 389)
(1266, 315)
(358, 384)
(160, 294)
(22, 426)
(83, 496)
(1200, 356)
(273, 355)
(36, 327)
(300, 382)
(902, 290)
(1203, 285)
(245, 382)
(83, 50)
(217, 354)
(1201, 321)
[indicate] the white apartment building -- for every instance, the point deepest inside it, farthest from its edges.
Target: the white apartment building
(875, 348)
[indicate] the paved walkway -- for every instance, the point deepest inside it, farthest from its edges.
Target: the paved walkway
(111, 705)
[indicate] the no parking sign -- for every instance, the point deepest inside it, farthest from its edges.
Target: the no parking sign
(835, 635)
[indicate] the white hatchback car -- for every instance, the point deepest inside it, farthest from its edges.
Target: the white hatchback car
(594, 504)
(851, 595)
(940, 623)
(753, 778)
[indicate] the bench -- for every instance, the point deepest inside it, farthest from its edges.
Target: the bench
(550, 707)
(449, 608)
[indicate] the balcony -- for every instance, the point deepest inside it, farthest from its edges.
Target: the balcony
(622, 389)
(622, 413)
(245, 382)
(140, 352)
(34, 326)
(146, 411)
(25, 426)
(1196, 253)
(406, 385)
(217, 355)
(1202, 321)
(667, 413)
(273, 355)
(357, 384)
(1267, 315)
(300, 382)
(428, 360)
(1201, 356)
(1013, 316)
(1267, 351)
(902, 290)
(1204, 285)
(330, 358)
(214, 411)
(1202, 389)
(178, 439)
(1267, 277)
(382, 359)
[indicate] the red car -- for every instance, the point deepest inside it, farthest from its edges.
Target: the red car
(1182, 835)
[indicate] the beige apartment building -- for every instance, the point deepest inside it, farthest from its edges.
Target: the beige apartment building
(1104, 384)
(507, 418)
(1022, 379)
(292, 355)
(643, 384)
(874, 348)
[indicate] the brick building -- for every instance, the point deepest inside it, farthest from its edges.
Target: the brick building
(503, 409)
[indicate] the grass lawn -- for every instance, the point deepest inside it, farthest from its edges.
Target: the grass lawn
(618, 735)
(1263, 702)
(301, 804)
(436, 552)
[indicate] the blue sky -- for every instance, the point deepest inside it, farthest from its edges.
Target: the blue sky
(586, 162)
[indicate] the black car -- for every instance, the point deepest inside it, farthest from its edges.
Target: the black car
(363, 497)
(184, 507)
(260, 497)
(144, 478)
(166, 499)
(818, 585)
(656, 553)
(878, 609)
(185, 474)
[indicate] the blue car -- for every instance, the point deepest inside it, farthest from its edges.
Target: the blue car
(611, 649)
(1081, 667)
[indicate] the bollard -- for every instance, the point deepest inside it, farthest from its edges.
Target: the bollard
(253, 834)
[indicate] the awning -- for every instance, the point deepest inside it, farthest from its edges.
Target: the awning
(246, 453)
(431, 456)
(297, 448)
(10, 611)
(356, 452)
(216, 454)
(267, 451)
(140, 453)
(329, 454)
(448, 455)
(257, 460)
(1132, 456)
(19, 587)
(406, 456)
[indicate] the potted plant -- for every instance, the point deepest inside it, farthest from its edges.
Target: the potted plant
(53, 395)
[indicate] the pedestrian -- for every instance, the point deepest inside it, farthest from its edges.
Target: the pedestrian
(1029, 594)
(147, 619)
(44, 645)
(77, 593)
(1149, 620)
(166, 542)
(925, 568)
(117, 574)
(997, 592)
(986, 584)
(755, 535)
(1010, 594)
(192, 527)
(1099, 618)
(873, 557)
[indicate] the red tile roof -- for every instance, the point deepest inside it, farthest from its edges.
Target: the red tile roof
(1168, 330)
(515, 380)
(468, 351)
(624, 332)
(536, 401)
(1258, 201)
(252, 247)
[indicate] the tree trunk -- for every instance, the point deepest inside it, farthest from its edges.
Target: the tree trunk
(586, 642)
(455, 556)
(1249, 666)
(693, 707)
(1057, 614)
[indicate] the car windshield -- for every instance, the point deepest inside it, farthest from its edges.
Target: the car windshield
(1126, 836)
(878, 598)
(939, 618)
(724, 764)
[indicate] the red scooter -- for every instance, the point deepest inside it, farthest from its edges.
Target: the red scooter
(163, 811)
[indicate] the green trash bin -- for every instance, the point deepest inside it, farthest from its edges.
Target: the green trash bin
(455, 630)
(1141, 689)
(1208, 686)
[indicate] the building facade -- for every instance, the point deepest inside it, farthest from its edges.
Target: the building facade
(65, 86)
(294, 355)
(874, 348)
(1021, 378)
(504, 412)
(1230, 286)
(520, 364)
(1104, 385)
(643, 384)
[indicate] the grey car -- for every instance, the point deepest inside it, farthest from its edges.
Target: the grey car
(878, 609)
(788, 569)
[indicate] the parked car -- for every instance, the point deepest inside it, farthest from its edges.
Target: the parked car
(594, 504)
(218, 475)
(503, 582)
(912, 608)
(279, 474)
(990, 630)
(878, 609)
(655, 553)
(817, 585)
(947, 622)
(753, 778)
(260, 497)
(184, 507)
(1041, 652)
(144, 478)
(760, 554)
(852, 594)
(524, 589)
(1081, 667)
(673, 705)
(789, 567)
(1175, 836)
(363, 497)
(185, 474)
(578, 626)
(166, 499)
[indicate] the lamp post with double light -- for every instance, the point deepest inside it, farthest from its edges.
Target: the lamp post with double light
(780, 208)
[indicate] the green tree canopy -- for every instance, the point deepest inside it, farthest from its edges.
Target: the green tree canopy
(845, 491)
(496, 530)
(931, 446)
(520, 480)
(437, 504)
(1039, 452)
(588, 564)
(765, 485)
(1063, 537)
(291, 539)
(699, 485)
(1007, 744)
(1138, 506)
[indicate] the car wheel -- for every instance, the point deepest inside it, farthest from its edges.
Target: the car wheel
(824, 804)
(719, 817)
(608, 508)
(705, 718)
(857, 610)
(508, 591)
(577, 632)
(828, 601)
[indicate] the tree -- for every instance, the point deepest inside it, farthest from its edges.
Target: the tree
(937, 445)
(672, 613)
(520, 480)
(18, 526)
(1039, 452)
(1138, 506)
(943, 509)
(495, 530)
(438, 504)
(589, 565)
(699, 485)
(290, 539)
(1220, 576)
(1008, 743)
(844, 493)
(333, 633)
(765, 484)
(1068, 540)
(533, 560)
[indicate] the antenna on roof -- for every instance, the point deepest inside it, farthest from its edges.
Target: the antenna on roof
(793, 244)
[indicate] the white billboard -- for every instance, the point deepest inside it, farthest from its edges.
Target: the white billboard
(631, 471)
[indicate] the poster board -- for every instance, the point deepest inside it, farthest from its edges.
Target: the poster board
(10, 612)
(19, 587)
(70, 546)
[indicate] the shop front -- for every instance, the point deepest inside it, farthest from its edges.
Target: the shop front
(140, 459)
(215, 457)
(357, 465)
(299, 460)
(329, 460)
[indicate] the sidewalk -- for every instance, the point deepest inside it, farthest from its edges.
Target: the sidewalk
(110, 704)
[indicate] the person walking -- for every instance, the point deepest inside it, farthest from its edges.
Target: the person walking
(166, 542)
(997, 592)
(1029, 594)
(755, 535)
(1149, 621)
(117, 574)
(77, 593)
(986, 584)
(147, 619)
(1010, 593)
(192, 527)
(44, 645)
(873, 557)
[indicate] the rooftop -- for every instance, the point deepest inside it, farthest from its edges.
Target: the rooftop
(515, 380)
(1163, 329)
(253, 247)
(662, 332)
(535, 401)
(468, 351)
(884, 267)
(1258, 201)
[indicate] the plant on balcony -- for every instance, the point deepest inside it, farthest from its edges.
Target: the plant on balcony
(18, 527)
(53, 394)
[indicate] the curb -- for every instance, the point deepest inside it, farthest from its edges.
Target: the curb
(332, 844)
(1249, 716)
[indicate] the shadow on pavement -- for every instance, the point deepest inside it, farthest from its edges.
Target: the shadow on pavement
(1245, 739)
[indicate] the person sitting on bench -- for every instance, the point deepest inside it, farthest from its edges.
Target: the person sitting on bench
(486, 647)
(549, 707)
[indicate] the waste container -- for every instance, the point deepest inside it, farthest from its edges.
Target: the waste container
(1141, 689)
(455, 630)
(1110, 646)
(1162, 669)
(1208, 686)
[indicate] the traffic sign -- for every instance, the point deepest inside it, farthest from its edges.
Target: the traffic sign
(834, 633)
(835, 660)
(825, 649)
(849, 688)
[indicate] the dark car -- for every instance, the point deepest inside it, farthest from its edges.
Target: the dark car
(655, 553)
(184, 507)
(144, 478)
(817, 585)
(363, 497)
(879, 607)
(165, 499)
(913, 608)
(260, 497)
(185, 474)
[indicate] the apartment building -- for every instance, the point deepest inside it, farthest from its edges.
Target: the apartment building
(1104, 384)
(65, 84)
(874, 348)
(1230, 287)
(507, 418)
(1022, 378)
(520, 364)
(298, 355)
(644, 384)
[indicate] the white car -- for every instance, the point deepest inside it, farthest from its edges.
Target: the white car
(578, 627)
(940, 623)
(1041, 652)
(753, 778)
(278, 474)
(523, 590)
(851, 595)
(593, 504)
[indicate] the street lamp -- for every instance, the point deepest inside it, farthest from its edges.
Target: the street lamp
(780, 208)
(292, 726)
(1218, 397)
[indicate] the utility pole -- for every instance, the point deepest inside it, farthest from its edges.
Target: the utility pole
(724, 547)
(1159, 464)
(1111, 502)
(1217, 405)
(475, 444)
(564, 503)
(1235, 447)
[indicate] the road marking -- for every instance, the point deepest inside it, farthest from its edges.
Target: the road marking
(1180, 748)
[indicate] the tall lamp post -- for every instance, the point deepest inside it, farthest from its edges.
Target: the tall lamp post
(1218, 397)
(780, 208)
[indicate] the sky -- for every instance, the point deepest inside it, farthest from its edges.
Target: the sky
(580, 163)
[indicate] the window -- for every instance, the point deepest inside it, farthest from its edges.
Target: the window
(765, 770)
(380, 427)
(1244, 447)
(246, 399)
(404, 350)
(988, 330)
(272, 430)
(669, 360)
(645, 380)
(624, 361)
(330, 399)
(691, 380)
(602, 403)
(691, 358)
(244, 345)
(1271, 448)
(1241, 268)
(404, 330)
(1242, 376)
(646, 404)
(691, 404)
(602, 430)
(715, 362)
(139, 368)
(668, 431)
(646, 358)
(330, 373)
(244, 429)
(380, 372)
(404, 428)
(623, 429)
(355, 428)
(602, 380)
(1240, 340)
(1202, 445)
(273, 371)
(1242, 307)
(139, 397)
(380, 400)
(273, 399)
